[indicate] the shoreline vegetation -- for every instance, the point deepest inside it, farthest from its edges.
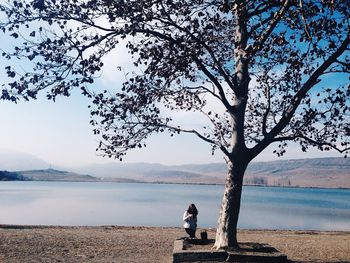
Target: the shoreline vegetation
(25, 243)
(176, 183)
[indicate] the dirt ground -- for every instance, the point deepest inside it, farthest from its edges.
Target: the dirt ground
(150, 244)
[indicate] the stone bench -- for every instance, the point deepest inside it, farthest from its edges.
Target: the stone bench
(197, 250)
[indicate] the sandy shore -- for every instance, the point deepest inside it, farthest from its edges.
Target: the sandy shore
(150, 244)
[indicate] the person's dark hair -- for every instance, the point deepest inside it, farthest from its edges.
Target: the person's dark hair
(192, 209)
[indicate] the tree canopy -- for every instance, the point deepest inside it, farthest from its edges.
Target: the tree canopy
(190, 54)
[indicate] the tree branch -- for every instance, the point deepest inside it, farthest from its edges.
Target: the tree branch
(256, 47)
(199, 135)
(264, 122)
(346, 65)
(310, 83)
(311, 141)
(199, 41)
(263, 7)
(196, 59)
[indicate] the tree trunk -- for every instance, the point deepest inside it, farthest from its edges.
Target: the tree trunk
(226, 234)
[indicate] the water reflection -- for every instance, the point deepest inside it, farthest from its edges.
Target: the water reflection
(53, 203)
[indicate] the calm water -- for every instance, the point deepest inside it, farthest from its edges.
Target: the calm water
(60, 203)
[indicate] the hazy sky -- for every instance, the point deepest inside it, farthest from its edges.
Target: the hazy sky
(60, 133)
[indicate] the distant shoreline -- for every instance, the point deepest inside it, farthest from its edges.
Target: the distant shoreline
(328, 173)
(171, 183)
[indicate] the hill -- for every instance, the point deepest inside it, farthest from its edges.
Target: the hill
(45, 175)
(55, 175)
(11, 176)
(320, 172)
(317, 172)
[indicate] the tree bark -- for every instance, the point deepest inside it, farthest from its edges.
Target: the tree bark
(226, 234)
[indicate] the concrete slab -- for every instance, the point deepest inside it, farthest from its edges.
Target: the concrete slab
(197, 250)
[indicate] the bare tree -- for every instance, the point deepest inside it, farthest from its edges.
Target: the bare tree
(278, 68)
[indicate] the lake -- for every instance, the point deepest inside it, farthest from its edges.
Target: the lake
(75, 203)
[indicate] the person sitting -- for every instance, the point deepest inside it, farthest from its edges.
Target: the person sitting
(190, 218)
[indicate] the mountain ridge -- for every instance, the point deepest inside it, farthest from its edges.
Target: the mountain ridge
(307, 172)
(329, 172)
